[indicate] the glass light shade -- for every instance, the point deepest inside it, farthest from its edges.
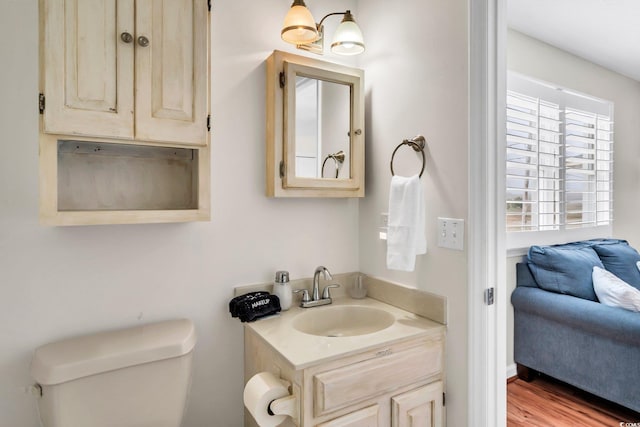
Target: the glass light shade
(299, 26)
(348, 40)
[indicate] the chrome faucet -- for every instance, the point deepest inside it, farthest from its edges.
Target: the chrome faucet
(315, 299)
(315, 293)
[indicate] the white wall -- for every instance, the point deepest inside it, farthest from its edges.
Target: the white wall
(537, 59)
(58, 282)
(416, 77)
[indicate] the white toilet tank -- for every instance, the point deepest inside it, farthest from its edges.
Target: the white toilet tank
(134, 377)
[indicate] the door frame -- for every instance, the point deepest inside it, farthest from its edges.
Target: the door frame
(487, 255)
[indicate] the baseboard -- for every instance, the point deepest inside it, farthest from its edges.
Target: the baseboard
(511, 371)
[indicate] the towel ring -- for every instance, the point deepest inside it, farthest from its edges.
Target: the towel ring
(338, 159)
(417, 143)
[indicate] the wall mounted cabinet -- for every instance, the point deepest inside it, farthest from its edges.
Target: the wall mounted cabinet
(315, 128)
(124, 103)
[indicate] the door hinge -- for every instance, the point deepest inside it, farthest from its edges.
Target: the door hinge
(444, 398)
(41, 102)
(282, 80)
(209, 123)
(209, 5)
(489, 297)
(281, 168)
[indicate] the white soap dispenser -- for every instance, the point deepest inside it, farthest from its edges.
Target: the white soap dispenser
(282, 289)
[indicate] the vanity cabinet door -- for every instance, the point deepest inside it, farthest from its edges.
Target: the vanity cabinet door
(367, 417)
(420, 407)
(87, 67)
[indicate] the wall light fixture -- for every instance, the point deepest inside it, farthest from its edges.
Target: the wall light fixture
(299, 28)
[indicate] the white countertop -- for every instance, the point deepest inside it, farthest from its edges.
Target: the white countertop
(303, 350)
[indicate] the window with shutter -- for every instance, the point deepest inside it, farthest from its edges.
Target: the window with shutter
(559, 159)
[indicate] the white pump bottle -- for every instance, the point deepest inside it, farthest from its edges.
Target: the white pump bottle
(282, 289)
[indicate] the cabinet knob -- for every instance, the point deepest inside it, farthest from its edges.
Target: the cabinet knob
(126, 37)
(143, 41)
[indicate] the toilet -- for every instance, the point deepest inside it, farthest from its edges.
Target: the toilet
(134, 377)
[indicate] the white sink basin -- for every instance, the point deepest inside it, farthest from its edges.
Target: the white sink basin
(342, 321)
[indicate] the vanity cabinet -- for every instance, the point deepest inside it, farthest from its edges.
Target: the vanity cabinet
(396, 385)
(124, 104)
(130, 69)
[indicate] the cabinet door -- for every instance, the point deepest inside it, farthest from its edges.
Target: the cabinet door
(421, 407)
(367, 417)
(171, 71)
(88, 68)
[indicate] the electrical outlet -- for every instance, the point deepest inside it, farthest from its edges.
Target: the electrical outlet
(451, 233)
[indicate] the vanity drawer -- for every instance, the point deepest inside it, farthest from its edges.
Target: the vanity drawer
(385, 371)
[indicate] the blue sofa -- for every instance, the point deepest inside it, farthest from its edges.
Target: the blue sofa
(560, 328)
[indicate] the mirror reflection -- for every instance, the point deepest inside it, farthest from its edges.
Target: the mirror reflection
(322, 123)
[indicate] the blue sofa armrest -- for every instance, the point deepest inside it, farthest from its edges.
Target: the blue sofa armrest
(611, 322)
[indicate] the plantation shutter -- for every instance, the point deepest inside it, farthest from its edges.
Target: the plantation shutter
(533, 164)
(588, 168)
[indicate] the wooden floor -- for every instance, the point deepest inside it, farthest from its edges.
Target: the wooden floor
(546, 402)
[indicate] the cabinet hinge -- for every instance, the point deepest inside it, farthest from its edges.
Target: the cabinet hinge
(209, 5)
(41, 103)
(444, 398)
(281, 168)
(209, 123)
(282, 81)
(489, 297)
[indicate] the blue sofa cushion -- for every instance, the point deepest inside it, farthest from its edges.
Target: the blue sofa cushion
(565, 269)
(620, 259)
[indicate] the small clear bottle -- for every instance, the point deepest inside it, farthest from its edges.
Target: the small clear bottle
(282, 289)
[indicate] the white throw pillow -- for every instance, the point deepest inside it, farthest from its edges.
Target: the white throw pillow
(615, 292)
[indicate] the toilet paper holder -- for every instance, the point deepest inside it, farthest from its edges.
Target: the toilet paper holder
(287, 405)
(270, 400)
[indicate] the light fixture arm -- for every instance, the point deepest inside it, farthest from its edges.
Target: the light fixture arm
(331, 14)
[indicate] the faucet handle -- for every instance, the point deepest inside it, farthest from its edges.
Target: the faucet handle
(325, 292)
(305, 294)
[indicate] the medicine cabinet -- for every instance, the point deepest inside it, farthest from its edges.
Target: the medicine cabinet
(315, 128)
(124, 104)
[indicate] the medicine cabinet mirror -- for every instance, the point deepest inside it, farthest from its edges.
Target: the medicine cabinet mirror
(315, 128)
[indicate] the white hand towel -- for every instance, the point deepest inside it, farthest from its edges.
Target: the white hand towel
(406, 227)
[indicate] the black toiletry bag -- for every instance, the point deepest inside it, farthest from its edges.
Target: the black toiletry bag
(254, 305)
